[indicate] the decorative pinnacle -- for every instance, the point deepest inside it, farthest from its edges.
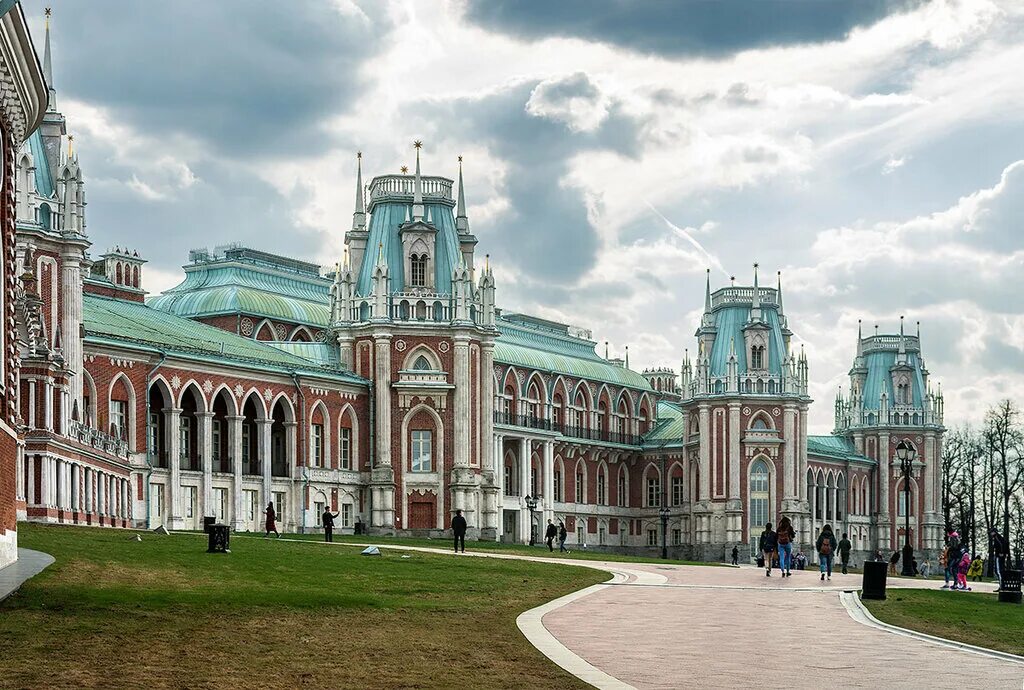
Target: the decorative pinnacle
(404, 169)
(460, 159)
(487, 261)
(359, 155)
(71, 144)
(417, 144)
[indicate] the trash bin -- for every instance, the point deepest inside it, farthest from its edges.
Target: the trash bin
(208, 522)
(873, 585)
(219, 539)
(1009, 589)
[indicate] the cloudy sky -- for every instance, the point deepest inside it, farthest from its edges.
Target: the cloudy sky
(871, 151)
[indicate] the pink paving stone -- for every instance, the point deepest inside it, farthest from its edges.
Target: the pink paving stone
(685, 636)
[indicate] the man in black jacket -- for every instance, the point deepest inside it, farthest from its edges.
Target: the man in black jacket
(459, 530)
(999, 552)
(550, 534)
(328, 521)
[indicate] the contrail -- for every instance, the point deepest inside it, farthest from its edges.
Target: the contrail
(689, 238)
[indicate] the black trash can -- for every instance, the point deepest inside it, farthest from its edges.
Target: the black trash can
(873, 585)
(208, 522)
(1009, 589)
(219, 539)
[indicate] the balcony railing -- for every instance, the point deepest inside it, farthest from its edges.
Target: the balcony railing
(531, 422)
(97, 439)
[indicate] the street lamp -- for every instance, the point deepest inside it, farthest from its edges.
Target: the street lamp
(531, 503)
(663, 512)
(905, 453)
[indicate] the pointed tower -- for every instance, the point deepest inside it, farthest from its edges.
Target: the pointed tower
(54, 127)
(417, 194)
(359, 214)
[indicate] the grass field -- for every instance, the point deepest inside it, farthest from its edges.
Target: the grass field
(114, 612)
(974, 618)
(538, 551)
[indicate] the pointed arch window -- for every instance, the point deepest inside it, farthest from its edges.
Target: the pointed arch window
(421, 364)
(760, 499)
(757, 357)
(418, 277)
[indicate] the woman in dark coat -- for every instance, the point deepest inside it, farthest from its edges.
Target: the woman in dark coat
(271, 520)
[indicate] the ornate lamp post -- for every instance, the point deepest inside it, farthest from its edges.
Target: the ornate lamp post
(663, 512)
(906, 454)
(531, 503)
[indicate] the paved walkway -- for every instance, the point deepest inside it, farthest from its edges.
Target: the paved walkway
(29, 564)
(677, 626)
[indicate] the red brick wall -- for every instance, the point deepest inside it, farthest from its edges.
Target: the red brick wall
(8, 411)
(117, 293)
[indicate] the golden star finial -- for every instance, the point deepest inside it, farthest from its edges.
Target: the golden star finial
(417, 144)
(48, 12)
(460, 159)
(359, 155)
(404, 169)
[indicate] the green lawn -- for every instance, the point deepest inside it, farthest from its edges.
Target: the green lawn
(539, 551)
(974, 618)
(161, 612)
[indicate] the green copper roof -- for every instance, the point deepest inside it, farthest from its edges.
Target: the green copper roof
(385, 222)
(324, 354)
(548, 346)
(879, 378)
(669, 428)
(44, 177)
(730, 322)
(132, 323)
(834, 448)
(242, 285)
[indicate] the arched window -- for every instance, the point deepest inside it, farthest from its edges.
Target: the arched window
(757, 357)
(421, 364)
(602, 486)
(760, 499)
(581, 485)
(840, 498)
(44, 216)
(620, 490)
(419, 270)
(901, 509)
(759, 424)
(653, 488)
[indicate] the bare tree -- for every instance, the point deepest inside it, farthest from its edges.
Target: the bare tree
(1004, 441)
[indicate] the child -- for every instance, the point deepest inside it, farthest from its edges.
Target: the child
(975, 571)
(962, 568)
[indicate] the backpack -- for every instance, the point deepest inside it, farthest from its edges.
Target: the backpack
(826, 546)
(783, 536)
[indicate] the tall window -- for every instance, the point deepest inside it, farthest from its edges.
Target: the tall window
(118, 418)
(318, 508)
(602, 489)
(419, 270)
(621, 489)
(421, 451)
(279, 505)
(757, 357)
(246, 445)
(558, 485)
(318, 445)
(652, 537)
(215, 426)
(677, 491)
(653, 491)
(345, 449)
(579, 487)
(901, 504)
(346, 514)
(759, 498)
(840, 497)
(184, 436)
(508, 480)
(220, 503)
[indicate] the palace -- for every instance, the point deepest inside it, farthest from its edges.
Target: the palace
(394, 390)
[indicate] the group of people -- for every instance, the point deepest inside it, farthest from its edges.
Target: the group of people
(959, 566)
(779, 542)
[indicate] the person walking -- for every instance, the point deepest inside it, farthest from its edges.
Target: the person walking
(550, 534)
(999, 552)
(974, 572)
(893, 560)
(767, 544)
(271, 525)
(826, 546)
(328, 522)
(784, 543)
(735, 555)
(562, 535)
(926, 569)
(459, 530)
(844, 553)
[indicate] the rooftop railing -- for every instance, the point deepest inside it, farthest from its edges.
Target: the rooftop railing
(403, 187)
(94, 438)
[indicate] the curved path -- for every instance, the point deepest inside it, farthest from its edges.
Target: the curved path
(678, 626)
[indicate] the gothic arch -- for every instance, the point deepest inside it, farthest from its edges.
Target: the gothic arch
(289, 410)
(300, 334)
(259, 405)
(132, 405)
(229, 397)
(559, 466)
(409, 363)
(535, 379)
(320, 407)
(438, 441)
(348, 412)
(197, 392)
(763, 417)
(622, 481)
(91, 412)
(651, 466)
(271, 331)
(581, 468)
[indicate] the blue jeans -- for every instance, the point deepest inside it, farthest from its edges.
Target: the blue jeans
(785, 557)
(825, 563)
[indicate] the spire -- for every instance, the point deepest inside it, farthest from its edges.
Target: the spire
(903, 344)
(461, 220)
(627, 356)
(860, 340)
(755, 305)
(417, 196)
(606, 349)
(47, 64)
(359, 215)
(779, 289)
(707, 294)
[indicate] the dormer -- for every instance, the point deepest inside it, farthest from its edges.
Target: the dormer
(418, 244)
(118, 273)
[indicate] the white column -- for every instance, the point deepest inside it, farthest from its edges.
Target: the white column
(32, 404)
(735, 459)
(549, 481)
(235, 446)
(789, 453)
(265, 460)
(462, 412)
(705, 453)
(100, 493)
(382, 367)
(524, 488)
(293, 517)
(172, 426)
(71, 319)
(489, 461)
(48, 404)
(204, 420)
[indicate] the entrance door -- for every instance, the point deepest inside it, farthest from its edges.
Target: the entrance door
(510, 522)
(421, 515)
